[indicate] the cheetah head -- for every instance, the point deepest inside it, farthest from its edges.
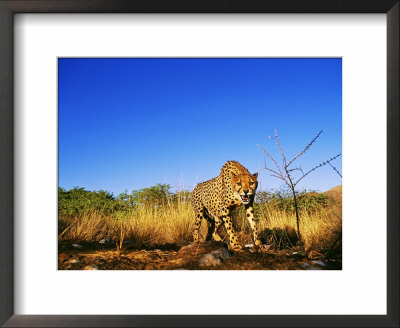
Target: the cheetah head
(245, 186)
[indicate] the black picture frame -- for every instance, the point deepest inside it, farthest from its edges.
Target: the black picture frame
(10, 7)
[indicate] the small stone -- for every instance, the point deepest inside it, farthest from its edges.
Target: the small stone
(77, 246)
(72, 261)
(249, 245)
(307, 266)
(222, 253)
(209, 260)
(215, 257)
(91, 267)
(297, 255)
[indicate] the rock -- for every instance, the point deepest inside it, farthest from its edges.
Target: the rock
(215, 257)
(319, 263)
(249, 245)
(91, 267)
(72, 261)
(197, 249)
(308, 266)
(105, 241)
(77, 246)
(297, 255)
(208, 253)
(222, 253)
(209, 260)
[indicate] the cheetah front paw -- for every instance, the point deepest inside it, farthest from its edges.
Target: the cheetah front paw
(259, 246)
(216, 237)
(236, 248)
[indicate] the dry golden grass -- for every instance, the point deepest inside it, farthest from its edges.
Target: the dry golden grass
(319, 230)
(173, 223)
(167, 224)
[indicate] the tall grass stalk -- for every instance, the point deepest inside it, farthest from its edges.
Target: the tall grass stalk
(173, 223)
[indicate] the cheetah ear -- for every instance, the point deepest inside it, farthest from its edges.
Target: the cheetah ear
(255, 175)
(233, 175)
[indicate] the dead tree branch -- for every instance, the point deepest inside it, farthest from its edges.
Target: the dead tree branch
(335, 169)
(316, 167)
(273, 160)
(284, 173)
(306, 148)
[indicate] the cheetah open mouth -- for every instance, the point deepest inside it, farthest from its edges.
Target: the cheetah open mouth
(245, 199)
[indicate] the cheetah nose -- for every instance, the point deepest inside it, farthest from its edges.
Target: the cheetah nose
(245, 192)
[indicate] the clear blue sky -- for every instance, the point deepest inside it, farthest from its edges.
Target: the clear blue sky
(130, 123)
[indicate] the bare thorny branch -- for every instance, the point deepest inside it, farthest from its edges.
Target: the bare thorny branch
(280, 148)
(316, 167)
(296, 169)
(335, 169)
(305, 149)
(280, 174)
(284, 173)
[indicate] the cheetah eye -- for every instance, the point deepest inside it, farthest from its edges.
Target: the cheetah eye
(239, 184)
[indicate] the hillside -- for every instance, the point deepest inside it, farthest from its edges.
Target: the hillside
(335, 194)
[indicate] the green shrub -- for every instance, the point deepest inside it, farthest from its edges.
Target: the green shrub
(77, 201)
(309, 201)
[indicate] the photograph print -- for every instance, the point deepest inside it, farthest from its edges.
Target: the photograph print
(199, 163)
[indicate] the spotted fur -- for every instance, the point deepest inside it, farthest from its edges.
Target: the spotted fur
(216, 198)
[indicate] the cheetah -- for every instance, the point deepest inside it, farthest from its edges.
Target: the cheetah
(214, 200)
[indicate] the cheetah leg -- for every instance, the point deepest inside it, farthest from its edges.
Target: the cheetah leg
(233, 241)
(214, 224)
(250, 218)
(215, 235)
(211, 227)
(199, 217)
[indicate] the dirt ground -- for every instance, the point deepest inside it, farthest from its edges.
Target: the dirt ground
(94, 256)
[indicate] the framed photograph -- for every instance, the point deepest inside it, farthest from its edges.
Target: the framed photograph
(149, 149)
